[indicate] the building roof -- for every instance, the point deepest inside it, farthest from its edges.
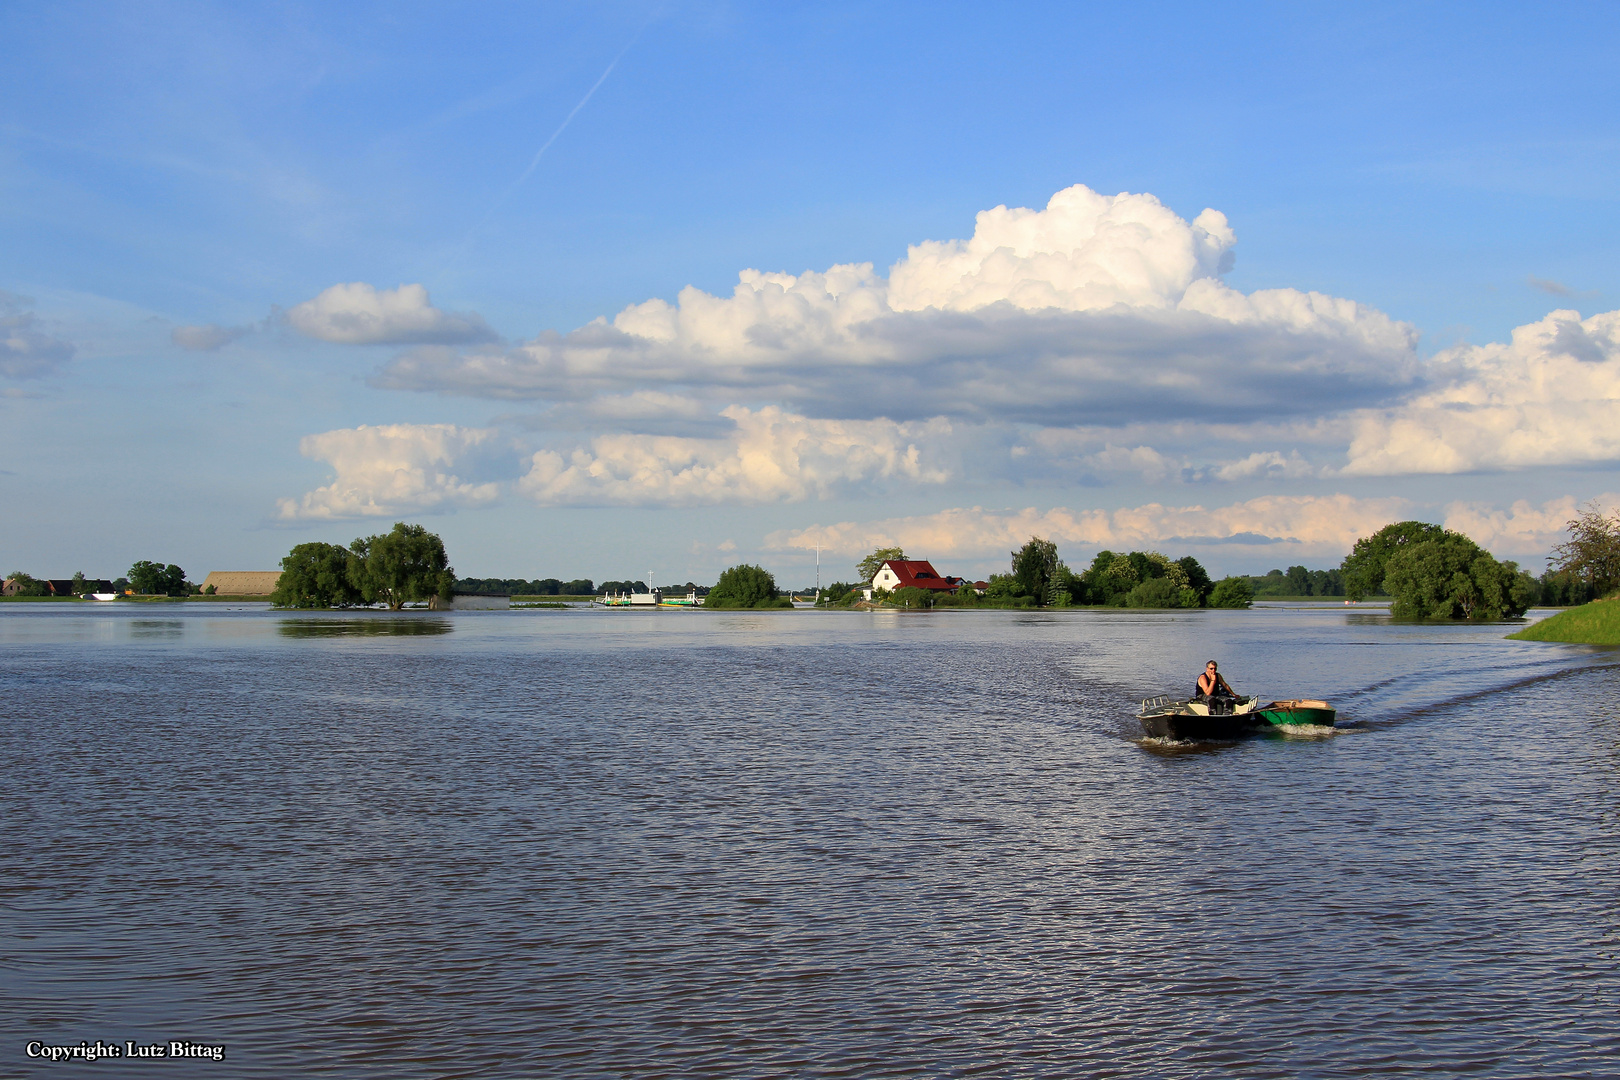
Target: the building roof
(242, 582)
(920, 574)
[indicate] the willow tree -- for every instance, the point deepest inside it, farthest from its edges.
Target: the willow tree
(1363, 569)
(409, 563)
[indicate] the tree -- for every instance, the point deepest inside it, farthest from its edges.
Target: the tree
(317, 575)
(746, 586)
(27, 585)
(1592, 553)
(835, 593)
(1232, 592)
(1451, 577)
(1035, 566)
(408, 563)
(1160, 592)
(870, 565)
(1363, 569)
(151, 579)
(1197, 578)
(1299, 581)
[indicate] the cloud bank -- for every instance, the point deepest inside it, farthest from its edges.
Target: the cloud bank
(1290, 526)
(770, 456)
(360, 314)
(1093, 307)
(1551, 396)
(393, 469)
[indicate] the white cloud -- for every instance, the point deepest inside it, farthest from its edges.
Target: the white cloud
(207, 337)
(1265, 465)
(1096, 309)
(1551, 396)
(1320, 526)
(1522, 530)
(392, 469)
(26, 351)
(770, 456)
(359, 314)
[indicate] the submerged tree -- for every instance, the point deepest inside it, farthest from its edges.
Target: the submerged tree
(408, 563)
(1451, 577)
(317, 575)
(1364, 568)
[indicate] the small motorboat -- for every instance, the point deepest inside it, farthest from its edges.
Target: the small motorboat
(1227, 718)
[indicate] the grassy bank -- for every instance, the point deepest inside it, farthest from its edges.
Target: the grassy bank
(1597, 623)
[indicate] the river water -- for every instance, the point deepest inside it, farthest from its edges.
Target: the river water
(670, 844)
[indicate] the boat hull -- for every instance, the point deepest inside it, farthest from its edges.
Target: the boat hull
(1295, 713)
(1187, 726)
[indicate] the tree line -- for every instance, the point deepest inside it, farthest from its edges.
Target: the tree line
(524, 587)
(145, 578)
(1038, 577)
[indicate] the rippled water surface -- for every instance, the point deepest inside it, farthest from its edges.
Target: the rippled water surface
(602, 843)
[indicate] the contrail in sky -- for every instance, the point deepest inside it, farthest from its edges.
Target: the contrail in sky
(534, 162)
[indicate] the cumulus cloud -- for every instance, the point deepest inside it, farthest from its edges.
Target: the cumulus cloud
(359, 314)
(27, 351)
(1265, 464)
(1089, 310)
(207, 337)
(1522, 530)
(1292, 526)
(769, 456)
(1550, 396)
(393, 469)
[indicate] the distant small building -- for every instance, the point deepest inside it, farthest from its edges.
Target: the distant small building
(913, 574)
(462, 601)
(11, 587)
(242, 582)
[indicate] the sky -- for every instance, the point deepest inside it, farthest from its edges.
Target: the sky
(614, 290)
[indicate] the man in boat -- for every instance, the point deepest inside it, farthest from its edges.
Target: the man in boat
(1211, 685)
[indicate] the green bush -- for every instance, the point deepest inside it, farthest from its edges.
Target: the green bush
(912, 597)
(746, 586)
(1232, 592)
(1159, 592)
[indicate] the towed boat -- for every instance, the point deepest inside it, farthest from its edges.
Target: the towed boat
(1228, 718)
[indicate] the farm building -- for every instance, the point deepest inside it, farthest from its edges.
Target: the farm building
(242, 582)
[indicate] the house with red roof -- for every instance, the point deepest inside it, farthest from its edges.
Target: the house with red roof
(910, 573)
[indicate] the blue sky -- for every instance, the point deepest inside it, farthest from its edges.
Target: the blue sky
(185, 187)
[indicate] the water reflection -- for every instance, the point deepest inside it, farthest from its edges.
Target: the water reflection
(157, 628)
(329, 628)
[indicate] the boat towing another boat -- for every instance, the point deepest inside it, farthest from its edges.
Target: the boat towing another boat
(1229, 718)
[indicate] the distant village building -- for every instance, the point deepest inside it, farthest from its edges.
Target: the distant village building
(910, 573)
(242, 582)
(59, 587)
